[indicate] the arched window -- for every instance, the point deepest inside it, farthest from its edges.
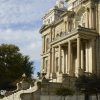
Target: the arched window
(83, 19)
(80, 18)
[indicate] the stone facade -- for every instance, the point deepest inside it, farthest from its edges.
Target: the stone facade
(71, 39)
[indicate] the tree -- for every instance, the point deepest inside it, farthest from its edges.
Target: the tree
(94, 85)
(82, 85)
(88, 85)
(64, 92)
(67, 0)
(12, 65)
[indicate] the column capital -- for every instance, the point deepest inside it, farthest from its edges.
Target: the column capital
(78, 40)
(78, 37)
(93, 39)
(59, 45)
(69, 41)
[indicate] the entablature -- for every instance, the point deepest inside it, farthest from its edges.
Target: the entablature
(81, 32)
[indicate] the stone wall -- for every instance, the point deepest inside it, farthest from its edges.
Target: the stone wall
(43, 97)
(51, 87)
(75, 97)
(22, 94)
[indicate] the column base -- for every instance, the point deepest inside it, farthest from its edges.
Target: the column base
(59, 77)
(53, 76)
(79, 72)
(71, 73)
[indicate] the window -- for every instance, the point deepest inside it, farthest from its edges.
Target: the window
(47, 44)
(83, 20)
(80, 17)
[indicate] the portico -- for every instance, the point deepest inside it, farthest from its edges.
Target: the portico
(74, 55)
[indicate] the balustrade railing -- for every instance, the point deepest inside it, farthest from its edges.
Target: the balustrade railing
(64, 34)
(73, 3)
(78, 2)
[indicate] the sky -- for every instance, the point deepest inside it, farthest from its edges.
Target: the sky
(20, 21)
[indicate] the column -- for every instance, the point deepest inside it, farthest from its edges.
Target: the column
(60, 66)
(49, 65)
(53, 60)
(67, 60)
(78, 56)
(82, 57)
(50, 61)
(64, 60)
(69, 57)
(87, 56)
(93, 56)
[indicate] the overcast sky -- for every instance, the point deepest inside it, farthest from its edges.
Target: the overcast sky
(20, 21)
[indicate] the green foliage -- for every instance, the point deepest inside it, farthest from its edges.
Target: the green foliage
(12, 65)
(88, 84)
(1, 96)
(64, 91)
(39, 85)
(67, 0)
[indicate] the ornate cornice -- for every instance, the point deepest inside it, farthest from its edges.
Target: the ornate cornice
(45, 27)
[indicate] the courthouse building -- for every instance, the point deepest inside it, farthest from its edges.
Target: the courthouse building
(71, 39)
